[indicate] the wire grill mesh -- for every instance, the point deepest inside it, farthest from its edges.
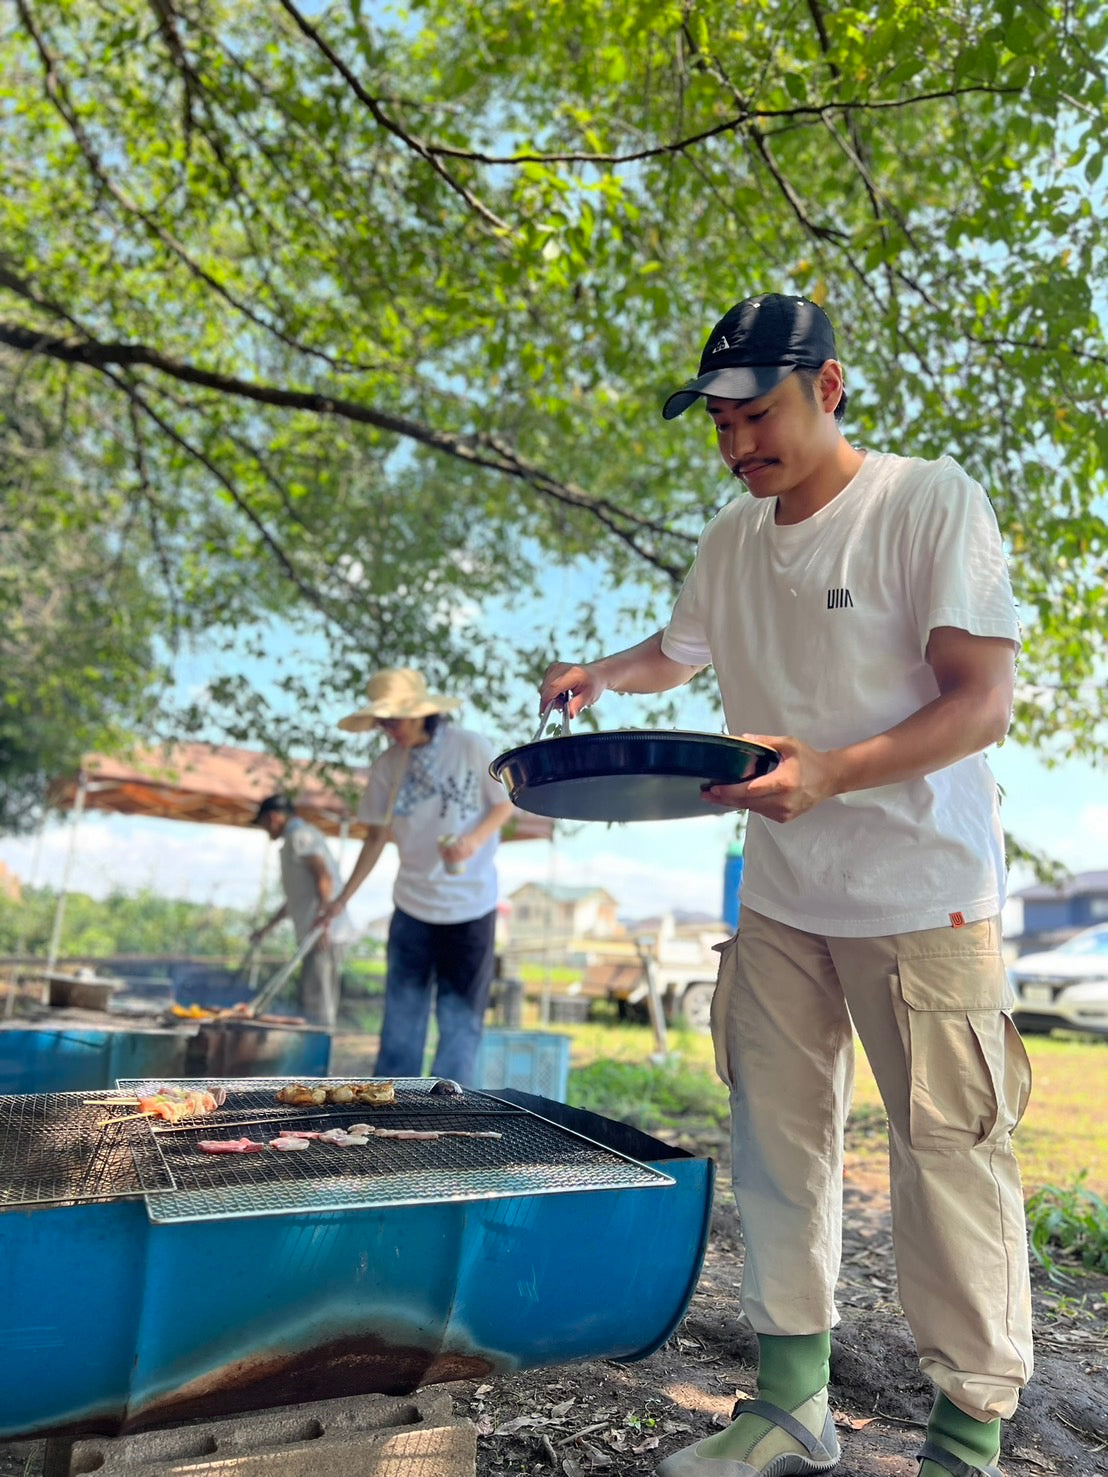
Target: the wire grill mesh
(530, 1155)
(56, 1149)
(256, 1097)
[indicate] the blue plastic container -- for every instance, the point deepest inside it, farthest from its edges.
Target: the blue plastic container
(732, 882)
(528, 1061)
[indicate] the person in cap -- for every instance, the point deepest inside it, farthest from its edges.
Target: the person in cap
(310, 878)
(431, 793)
(858, 613)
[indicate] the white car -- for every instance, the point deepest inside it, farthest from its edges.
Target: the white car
(1064, 988)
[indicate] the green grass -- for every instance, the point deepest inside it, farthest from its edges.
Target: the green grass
(537, 977)
(1063, 1139)
(675, 1101)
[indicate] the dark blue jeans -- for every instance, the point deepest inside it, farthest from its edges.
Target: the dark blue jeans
(452, 963)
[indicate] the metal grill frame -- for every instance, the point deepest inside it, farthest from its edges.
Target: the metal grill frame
(55, 1149)
(326, 1178)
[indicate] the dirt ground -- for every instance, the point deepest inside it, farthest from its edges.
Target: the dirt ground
(623, 1419)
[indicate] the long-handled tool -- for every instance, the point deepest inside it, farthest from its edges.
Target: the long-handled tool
(242, 973)
(273, 986)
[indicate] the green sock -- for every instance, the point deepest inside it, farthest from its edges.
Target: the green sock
(973, 1441)
(792, 1369)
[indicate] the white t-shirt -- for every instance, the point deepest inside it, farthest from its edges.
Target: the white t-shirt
(300, 841)
(818, 630)
(461, 791)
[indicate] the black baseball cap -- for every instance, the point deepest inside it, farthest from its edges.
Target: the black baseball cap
(754, 346)
(271, 803)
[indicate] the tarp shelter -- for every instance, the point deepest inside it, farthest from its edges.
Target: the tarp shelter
(217, 785)
(213, 784)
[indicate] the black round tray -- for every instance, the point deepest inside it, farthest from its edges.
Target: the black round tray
(627, 774)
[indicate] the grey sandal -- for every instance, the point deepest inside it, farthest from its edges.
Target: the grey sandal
(822, 1450)
(929, 1452)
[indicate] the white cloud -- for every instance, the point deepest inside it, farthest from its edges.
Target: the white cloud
(648, 867)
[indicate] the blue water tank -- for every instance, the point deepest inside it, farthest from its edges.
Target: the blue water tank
(732, 881)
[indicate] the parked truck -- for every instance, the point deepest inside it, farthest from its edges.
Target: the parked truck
(682, 958)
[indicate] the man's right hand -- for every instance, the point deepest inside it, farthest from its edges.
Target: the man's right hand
(585, 682)
(324, 917)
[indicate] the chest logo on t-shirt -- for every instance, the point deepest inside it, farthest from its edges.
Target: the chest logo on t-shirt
(839, 599)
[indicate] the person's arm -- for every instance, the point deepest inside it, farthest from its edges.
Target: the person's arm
(270, 924)
(471, 841)
(640, 669)
(976, 680)
(368, 857)
(324, 885)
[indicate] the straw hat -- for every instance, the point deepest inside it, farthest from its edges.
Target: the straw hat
(397, 692)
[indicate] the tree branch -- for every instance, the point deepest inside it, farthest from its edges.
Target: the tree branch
(478, 451)
(288, 569)
(416, 145)
(812, 111)
(58, 95)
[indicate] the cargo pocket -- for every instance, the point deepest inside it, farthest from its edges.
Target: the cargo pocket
(969, 1073)
(720, 1012)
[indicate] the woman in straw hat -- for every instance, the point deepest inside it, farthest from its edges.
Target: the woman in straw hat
(430, 792)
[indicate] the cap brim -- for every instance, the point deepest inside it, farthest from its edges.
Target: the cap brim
(745, 383)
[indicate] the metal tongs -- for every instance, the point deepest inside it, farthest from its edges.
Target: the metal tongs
(272, 986)
(561, 701)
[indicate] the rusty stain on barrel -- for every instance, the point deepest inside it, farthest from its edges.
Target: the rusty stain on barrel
(347, 1366)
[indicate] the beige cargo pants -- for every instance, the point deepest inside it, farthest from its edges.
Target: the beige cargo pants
(929, 1009)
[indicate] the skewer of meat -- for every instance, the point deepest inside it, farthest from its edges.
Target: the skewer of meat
(171, 1104)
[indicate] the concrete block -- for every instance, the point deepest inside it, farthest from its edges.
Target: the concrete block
(360, 1436)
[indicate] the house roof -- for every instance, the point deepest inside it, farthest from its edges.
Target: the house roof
(215, 784)
(1082, 884)
(559, 892)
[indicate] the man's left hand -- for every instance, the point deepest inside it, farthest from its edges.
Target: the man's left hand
(803, 779)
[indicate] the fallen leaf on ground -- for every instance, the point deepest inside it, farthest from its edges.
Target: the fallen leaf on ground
(853, 1422)
(598, 1460)
(521, 1423)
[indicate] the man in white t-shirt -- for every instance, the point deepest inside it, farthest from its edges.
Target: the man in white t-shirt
(310, 879)
(857, 610)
